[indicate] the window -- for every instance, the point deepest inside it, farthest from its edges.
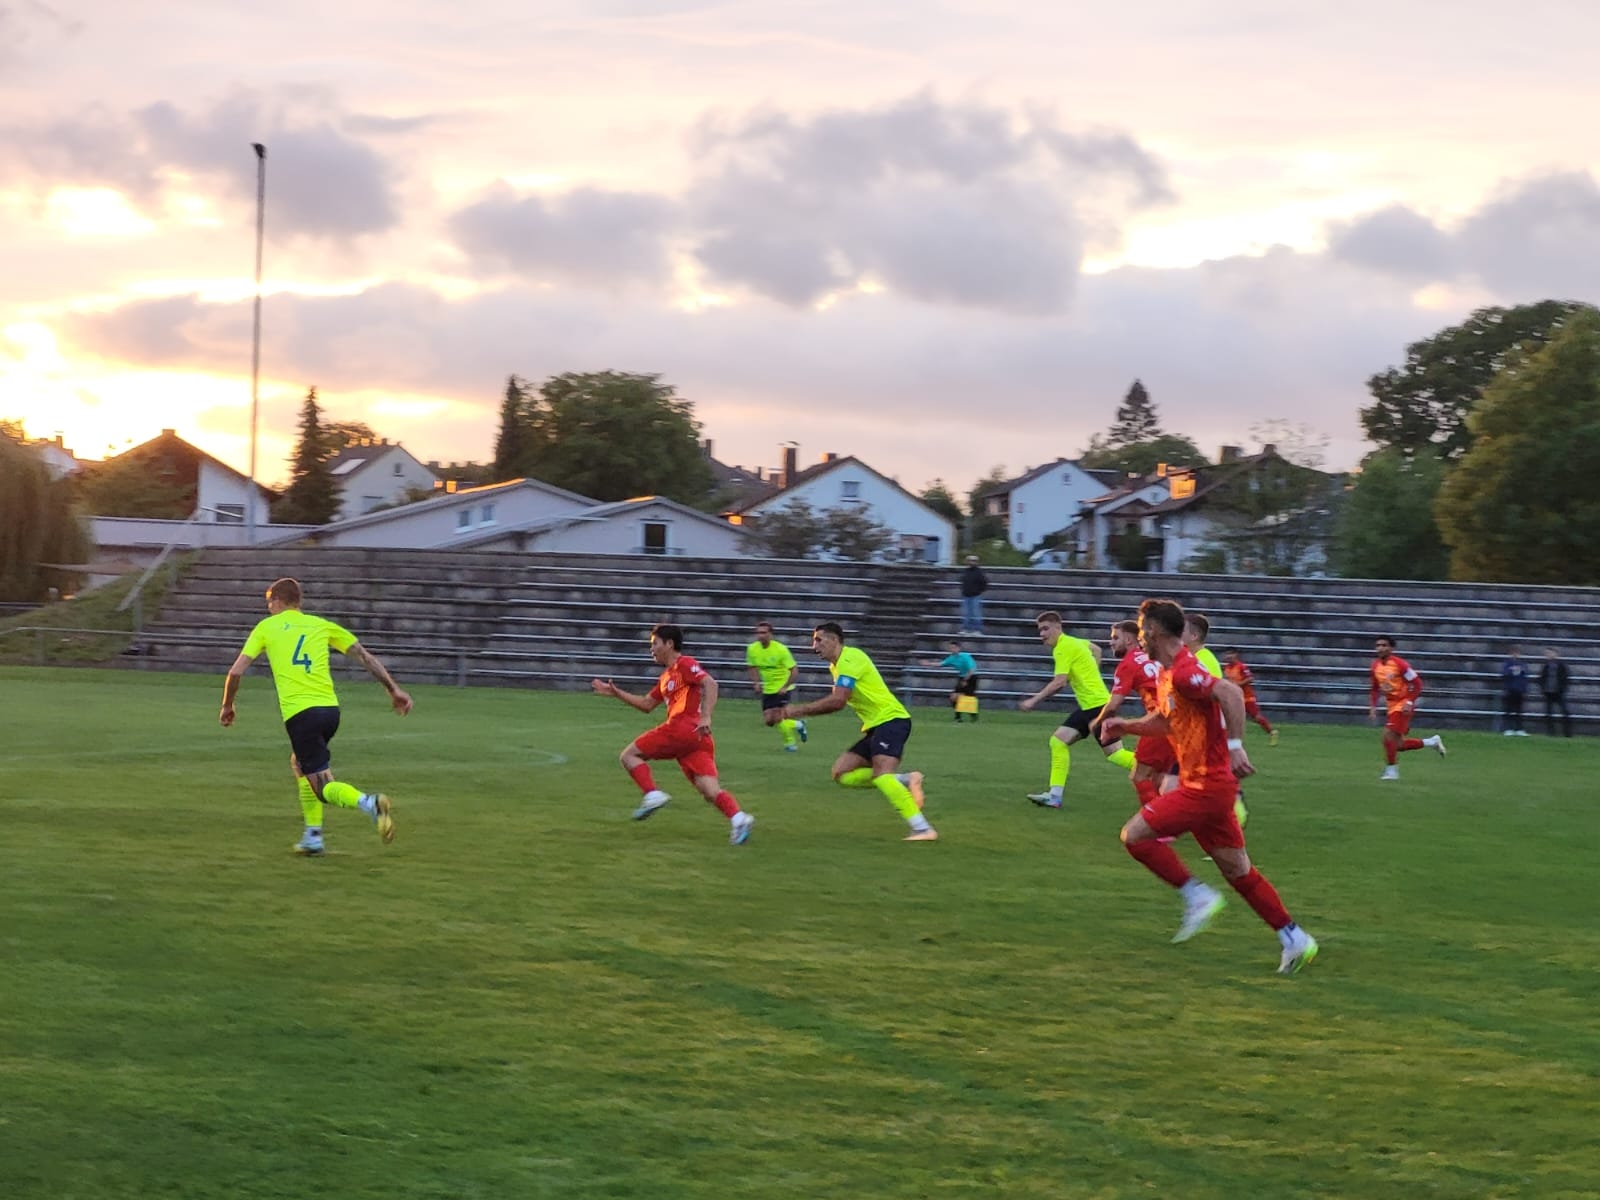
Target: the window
(655, 537)
(399, 468)
(1021, 508)
(230, 514)
(488, 515)
(464, 519)
(850, 489)
(371, 503)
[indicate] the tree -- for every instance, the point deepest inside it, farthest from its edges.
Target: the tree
(612, 435)
(1386, 528)
(513, 444)
(126, 486)
(1426, 401)
(851, 533)
(1524, 504)
(937, 496)
(1277, 517)
(38, 525)
(312, 496)
(1136, 419)
(793, 530)
(336, 435)
(1295, 441)
(1142, 458)
(984, 527)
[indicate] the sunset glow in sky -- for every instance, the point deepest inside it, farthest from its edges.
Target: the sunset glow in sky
(943, 235)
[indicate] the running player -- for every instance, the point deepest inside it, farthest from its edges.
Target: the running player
(297, 646)
(1196, 629)
(1237, 672)
(773, 673)
(874, 761)
(1078, 667)
(685, 735)
(1204, 716)
(1136, 672)
(1394, 679)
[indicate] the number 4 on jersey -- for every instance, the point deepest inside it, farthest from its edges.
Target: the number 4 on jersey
(300, 658)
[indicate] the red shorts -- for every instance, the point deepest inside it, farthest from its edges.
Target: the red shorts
(1155, 752)
(697, 755)
(1399, 721)
(1206, 813)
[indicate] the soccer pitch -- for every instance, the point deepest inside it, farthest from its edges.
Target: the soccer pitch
(530, 995)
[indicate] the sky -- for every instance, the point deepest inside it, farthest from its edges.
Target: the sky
(942, 235)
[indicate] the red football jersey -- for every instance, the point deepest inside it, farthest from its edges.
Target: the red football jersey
(1137, 672)
(680, 686)
(1239, 674)
(1199, 733)
(1394, 679)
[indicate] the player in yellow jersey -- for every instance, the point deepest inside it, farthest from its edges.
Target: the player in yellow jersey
(297, 646)
(874, 761)
(1077, 664)
(1196, 629)
(773, 673)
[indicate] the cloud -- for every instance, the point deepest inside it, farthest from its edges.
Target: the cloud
(585, 236)
(963, 204)
(323, 183)
(1536, 238)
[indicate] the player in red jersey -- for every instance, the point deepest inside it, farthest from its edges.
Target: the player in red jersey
(685, 735)
(1237, 672)
(1204, 717)
(1137, 673)
(1398, 683)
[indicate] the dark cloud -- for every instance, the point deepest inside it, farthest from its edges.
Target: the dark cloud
(963, 204)
(323, 183)
(1537, 237)
(586, 236)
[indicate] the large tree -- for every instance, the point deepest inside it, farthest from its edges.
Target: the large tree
(852, 533)
(513, 443)
(336, 435)
(938, 496)
(1141, 458)
(134, 486)
(1426, 400)
(982, 527)
(1386, 528)
(612, 435)
(792, 530)
(1523, 506)
(38, 525)
(1136, 419)
(312, 496)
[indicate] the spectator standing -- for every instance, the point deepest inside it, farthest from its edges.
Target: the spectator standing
(1553, 679)
(974, 583)
(1513, 690)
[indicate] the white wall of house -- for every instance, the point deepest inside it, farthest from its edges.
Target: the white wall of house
(383, 477)
(1049, 503)
(653, 528)
(442, 522)
(1096, 530)
(849, 484)
(224, 497)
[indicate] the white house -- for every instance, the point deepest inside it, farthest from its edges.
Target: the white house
(1091, 540)
(374, 472)
(923, 535)
(1044, 499)
(528, 515)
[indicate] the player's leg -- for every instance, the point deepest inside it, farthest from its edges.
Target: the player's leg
(310, 809)
(792, 731)
(1061, 760)
(1400, 727)
(1218, 839)
(312, 731)
(700, 768)
(635, 758)
(1147, 837)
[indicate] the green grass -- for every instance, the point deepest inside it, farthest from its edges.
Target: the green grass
(529, 995)
(91, 628)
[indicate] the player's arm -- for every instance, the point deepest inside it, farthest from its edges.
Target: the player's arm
(708, 701)
(836, 699)
(793, 681)
(1108, 710)
(1372, 702)
(1150, 725)
(398, 697)
(645, 703)
(1044, 693)
(230, 686)
(755, 677)
(1230, 698)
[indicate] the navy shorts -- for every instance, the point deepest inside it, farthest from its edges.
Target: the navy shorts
(889, 739)
(310, 730)
(1081, 718)
(771, 700)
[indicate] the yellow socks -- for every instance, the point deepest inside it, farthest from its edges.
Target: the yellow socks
(341, 794)
(861, 777)
(1060, 762)
(896, 793)
(310, 806)
(1122, 758)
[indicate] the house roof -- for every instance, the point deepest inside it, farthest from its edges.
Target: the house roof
(599, 512)
(170, 437)
(357, 456)
(445, 500)
(1011, 485)
(747, 489)
(818, 470)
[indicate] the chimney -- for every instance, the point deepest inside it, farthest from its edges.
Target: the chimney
(706, 446)
(791, 461)
(1228, 454)
(172, 433)
(830, 456)
(1269, 448)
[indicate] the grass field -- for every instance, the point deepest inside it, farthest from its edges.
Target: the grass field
(529, 995)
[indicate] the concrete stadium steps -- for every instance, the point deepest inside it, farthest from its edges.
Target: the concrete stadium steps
(555, 621)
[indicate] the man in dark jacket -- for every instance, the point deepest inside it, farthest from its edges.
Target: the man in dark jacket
(1513, 689)
(1553, 679)
(974, 583)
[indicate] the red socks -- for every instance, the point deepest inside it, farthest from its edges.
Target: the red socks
(728, 805)
(641, 776)
(1163, 862)
(1411, 744)
(1388, 751)
(1263, 897)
